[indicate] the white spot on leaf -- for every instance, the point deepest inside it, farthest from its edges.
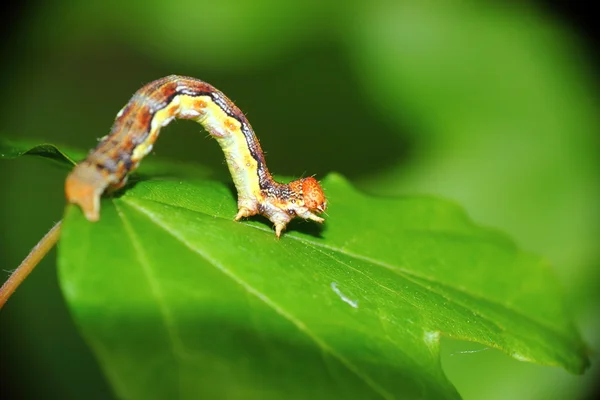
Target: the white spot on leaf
(520, 357)
(469, 351)
(352, 303)
(431, 338)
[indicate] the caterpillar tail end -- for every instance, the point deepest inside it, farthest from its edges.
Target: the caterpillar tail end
(83, 187)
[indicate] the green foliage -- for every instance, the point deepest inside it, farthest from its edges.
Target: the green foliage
(10, 150)
(175, 298)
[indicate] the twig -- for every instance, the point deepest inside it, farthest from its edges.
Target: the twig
(29, 263)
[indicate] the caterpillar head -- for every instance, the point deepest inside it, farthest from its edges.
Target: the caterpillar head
(313, 196)
(310, 192)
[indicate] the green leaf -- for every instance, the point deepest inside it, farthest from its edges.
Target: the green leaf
(178, 300)
(10, 149)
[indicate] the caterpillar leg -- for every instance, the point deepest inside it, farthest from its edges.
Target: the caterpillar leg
(244, 212)
(313, 217)
(113, 188)
(278, 229)
(280, 226)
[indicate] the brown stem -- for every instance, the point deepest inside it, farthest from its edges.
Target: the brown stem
(29, 263)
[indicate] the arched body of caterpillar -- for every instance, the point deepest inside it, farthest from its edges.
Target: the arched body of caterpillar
(154, 106)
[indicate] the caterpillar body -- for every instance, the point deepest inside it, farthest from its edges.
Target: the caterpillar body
(154, 106)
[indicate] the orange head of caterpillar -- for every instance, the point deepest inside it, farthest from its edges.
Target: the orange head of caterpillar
(313, 196)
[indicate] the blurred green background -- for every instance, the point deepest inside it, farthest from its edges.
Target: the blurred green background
(492, 105)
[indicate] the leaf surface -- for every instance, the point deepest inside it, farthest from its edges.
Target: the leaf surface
(178, 300)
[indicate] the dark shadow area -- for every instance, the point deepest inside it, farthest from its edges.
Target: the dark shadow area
(311, 228)
(321, 124)
(579, 17)
(12, 16)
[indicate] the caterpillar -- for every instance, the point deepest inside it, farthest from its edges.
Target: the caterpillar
(154, 106)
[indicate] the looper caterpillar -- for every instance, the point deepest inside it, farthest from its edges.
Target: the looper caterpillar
(154, 106)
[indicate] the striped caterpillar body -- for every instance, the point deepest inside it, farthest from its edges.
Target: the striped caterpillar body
(154, 106)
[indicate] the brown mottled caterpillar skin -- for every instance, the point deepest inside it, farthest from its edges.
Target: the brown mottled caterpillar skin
(155, 105)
